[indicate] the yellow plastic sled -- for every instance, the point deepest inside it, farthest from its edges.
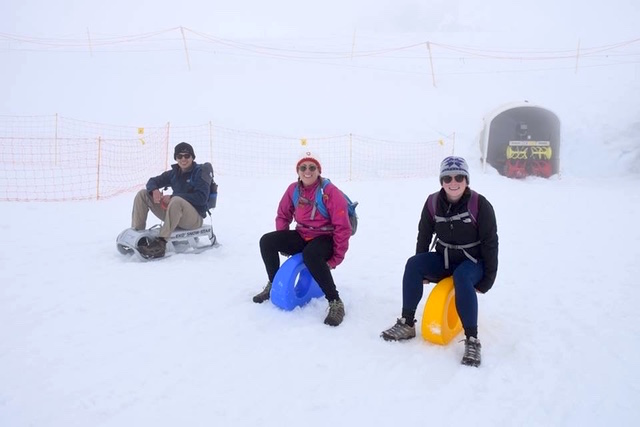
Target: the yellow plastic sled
(440, 321)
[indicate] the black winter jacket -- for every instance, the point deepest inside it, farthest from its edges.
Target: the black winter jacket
(195, 192)
(459, 233)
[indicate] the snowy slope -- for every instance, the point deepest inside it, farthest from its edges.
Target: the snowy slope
(90, 337)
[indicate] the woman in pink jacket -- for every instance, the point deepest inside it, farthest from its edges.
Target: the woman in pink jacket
(322, 241)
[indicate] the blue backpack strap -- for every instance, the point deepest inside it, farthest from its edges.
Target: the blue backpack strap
(318, 204)
(320, 198)
(296, 195)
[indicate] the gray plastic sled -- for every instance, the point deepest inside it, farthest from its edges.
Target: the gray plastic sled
(180, 241)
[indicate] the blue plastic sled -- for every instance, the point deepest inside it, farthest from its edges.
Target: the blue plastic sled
(288, 294)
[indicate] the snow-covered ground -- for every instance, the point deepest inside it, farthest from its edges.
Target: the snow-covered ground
(90, 337)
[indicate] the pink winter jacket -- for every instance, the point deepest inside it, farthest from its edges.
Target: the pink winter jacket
(309, 228)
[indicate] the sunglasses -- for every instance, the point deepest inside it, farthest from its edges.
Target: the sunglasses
(183, 156)
(303, 168)
(448, 178)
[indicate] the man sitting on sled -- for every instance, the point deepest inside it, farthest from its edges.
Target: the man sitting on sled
(185, 207)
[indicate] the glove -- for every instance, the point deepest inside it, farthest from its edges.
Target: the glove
(156, 196)
(164, 202)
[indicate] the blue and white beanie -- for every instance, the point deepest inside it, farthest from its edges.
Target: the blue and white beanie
(453, 165)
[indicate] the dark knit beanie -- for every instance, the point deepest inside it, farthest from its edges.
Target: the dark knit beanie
(182, 148)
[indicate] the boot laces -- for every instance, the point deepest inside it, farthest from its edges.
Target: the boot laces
(472, 348)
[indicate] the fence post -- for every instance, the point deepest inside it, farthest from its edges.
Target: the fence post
(166, 149)
(211, 141)
(433, 73)
(98, 169)
(55, 144)
(186, 51)
(350, 156)
(453, 143)
(577, 56)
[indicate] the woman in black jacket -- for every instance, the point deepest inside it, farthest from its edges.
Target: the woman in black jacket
(466, 247)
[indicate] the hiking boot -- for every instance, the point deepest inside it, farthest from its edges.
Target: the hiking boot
(263, 295)
(155, 248)
(336, 313)
(400, 331)
(471, 352)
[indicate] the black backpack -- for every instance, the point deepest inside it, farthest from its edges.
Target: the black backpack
(472, 206)
(207, 168)
(213, 187)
